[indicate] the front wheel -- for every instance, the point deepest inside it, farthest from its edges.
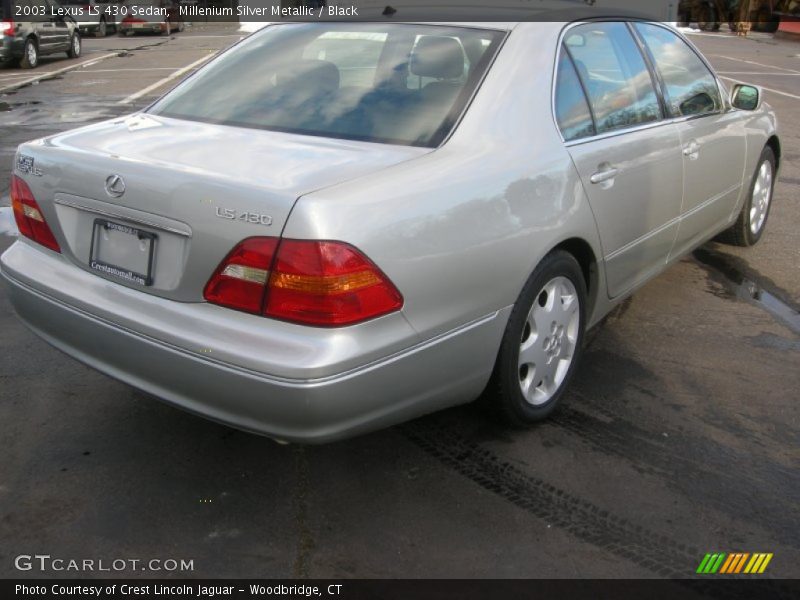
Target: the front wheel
(752, 221)
(74, 46)
(30, 54)
(102, 29)
(542, 343)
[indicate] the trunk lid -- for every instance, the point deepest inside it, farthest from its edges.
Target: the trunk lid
(198, 188)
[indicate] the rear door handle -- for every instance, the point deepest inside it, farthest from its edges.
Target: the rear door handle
(692, 150)
(605, 174)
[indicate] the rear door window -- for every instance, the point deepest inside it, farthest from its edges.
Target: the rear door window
(691, 89)
(614, 74)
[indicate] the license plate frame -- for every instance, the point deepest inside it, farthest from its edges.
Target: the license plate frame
(126, 273)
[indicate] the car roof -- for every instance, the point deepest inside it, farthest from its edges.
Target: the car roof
(498, 15)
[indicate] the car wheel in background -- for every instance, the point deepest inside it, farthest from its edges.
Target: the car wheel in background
(542, 343)
(74, 46)
(30, 54)
(181, 26)
(102, 29)
(752, 221)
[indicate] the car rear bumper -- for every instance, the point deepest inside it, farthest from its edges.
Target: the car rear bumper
(427, 376)
(6, 49)
(92, 27)
(149, 27)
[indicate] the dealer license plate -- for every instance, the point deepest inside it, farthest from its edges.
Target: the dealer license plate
(122, 251)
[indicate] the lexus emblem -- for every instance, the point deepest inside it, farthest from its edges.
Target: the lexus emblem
(115, 186)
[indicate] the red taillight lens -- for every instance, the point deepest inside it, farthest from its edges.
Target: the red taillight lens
(241, 280)
(7, 27)
(308, 282)
(30, 221)
(130, 19)
(327, 283)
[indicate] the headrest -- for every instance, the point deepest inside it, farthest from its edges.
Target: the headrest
(319, 75)
(437, 57)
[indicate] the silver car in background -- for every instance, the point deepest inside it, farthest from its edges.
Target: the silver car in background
(332, 228)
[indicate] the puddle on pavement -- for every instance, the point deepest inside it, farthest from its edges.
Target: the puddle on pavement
(72, 109)
(743, 284)
(7, 224)
(9, 106)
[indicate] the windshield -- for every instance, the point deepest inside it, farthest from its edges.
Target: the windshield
(401, 84)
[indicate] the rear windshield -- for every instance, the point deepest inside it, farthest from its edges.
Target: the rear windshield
(400, 84)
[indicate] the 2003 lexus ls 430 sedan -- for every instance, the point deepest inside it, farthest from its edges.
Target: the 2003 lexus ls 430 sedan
(332, 228)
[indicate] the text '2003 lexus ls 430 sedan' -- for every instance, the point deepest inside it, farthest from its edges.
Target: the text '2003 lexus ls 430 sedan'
(335, 227)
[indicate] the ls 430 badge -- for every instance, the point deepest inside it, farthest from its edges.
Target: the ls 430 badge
(245, 216)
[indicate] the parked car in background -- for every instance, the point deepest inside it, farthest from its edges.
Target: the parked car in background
(335, 227)
(151, 16)
(22, 42)
(98, 17)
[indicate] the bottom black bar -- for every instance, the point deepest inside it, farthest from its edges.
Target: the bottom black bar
(417, 589)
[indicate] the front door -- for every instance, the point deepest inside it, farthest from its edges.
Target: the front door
(712, 136)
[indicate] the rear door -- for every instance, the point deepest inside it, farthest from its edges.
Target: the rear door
(712, 136)
(60, 31)
(627, 155)
(43, 24)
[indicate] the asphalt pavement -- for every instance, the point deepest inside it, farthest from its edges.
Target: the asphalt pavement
(678, 437)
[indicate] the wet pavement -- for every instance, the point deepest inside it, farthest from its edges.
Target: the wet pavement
(679, 436)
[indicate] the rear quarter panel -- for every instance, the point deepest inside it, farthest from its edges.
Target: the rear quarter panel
(459, 230)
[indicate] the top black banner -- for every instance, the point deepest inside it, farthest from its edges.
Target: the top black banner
(707, 14)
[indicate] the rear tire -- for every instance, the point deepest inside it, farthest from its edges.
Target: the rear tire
(752, 221)
(30, 55)
(542, 343)
(102, 29)
(75, 46)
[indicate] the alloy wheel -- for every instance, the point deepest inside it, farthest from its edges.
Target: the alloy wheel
(549, 340)
(762, 195)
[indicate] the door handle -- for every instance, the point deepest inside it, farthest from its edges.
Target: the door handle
(692, 150)
(606, 173)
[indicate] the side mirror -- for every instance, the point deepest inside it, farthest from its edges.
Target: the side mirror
(745, 97)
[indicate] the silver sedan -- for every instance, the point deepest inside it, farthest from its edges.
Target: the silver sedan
(332, 228)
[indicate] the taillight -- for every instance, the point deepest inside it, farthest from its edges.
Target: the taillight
(7, 27)
(130, 19)
(241, 280)
(311, 282)
(28, 215)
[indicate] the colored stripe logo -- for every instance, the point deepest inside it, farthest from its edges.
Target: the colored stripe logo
(734, 563)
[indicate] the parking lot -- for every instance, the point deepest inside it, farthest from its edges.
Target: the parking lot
(680, 434)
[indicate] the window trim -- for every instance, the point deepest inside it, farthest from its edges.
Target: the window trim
(571, 60)
(666, 119)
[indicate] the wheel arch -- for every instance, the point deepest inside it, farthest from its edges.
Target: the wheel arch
(582, 251)
(775, 144)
